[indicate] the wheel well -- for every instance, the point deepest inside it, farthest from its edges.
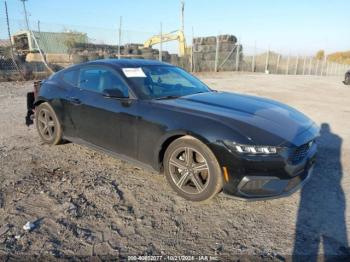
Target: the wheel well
(39, 102)
(166, 144)
(164, 147)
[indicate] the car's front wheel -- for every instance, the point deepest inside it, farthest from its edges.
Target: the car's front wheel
(47, 124)
(347, 80)
(192, 169)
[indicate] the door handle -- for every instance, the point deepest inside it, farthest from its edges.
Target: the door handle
(75, 101)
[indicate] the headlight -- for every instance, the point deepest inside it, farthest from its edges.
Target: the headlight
(252, 149)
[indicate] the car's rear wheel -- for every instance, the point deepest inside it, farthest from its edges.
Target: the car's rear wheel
(47, 124)
(192, 169)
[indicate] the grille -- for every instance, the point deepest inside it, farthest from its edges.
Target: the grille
(300, 153)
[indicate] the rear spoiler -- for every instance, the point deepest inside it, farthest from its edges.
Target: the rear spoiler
(31, 98)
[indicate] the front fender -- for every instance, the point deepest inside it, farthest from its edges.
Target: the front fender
(207, 131)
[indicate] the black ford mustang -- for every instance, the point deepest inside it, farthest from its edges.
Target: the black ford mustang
(161, 117)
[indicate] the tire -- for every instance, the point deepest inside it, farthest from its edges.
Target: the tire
(47, 124)
(347, 80)
(197, 178)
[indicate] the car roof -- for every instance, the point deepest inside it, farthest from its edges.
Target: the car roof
(116, 63)
(128, 62)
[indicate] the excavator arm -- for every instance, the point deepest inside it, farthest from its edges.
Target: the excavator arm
(174, 36)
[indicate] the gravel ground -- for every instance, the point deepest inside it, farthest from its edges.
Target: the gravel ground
(85, 203)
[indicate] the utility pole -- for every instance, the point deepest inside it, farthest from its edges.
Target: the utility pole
(182, 28)
(120, 36)
(25, 13)
(182, 16)
(39, 26)
(192, 60)
(161, 43)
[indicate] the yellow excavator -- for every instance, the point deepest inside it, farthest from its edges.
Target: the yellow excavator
(177, 35)
(173, 36)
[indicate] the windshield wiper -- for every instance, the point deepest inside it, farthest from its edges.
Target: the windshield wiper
(167, 97)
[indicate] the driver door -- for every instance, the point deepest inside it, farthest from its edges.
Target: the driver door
(101, 120)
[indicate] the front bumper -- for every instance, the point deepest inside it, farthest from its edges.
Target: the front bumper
(266, 177)
(271, 188)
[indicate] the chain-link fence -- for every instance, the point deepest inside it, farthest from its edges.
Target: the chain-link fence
(224, 53)
(38, 49)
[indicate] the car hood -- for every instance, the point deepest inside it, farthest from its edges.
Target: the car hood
(255, 117)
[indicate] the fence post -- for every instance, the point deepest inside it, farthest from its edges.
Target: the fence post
(317, 64)
(278, 63)
(267, 60)
(296, 65)
(191, 58)
(304, 64)
(337, 71)
(287, 69)
(237, 56)
(216, 54)
(161, 43)
(331, 68)
(310, 65)
(322, 67)
(119, 36)
(253, 59)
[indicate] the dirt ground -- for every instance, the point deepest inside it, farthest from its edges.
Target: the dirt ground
(87, 204)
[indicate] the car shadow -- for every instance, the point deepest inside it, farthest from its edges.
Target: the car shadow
(321, 226)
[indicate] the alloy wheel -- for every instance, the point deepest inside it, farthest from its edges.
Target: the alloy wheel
(46, 124)
(189, 170)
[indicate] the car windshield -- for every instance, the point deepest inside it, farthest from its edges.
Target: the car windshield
(165, 82)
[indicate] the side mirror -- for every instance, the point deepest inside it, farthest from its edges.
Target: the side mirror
(116, 93)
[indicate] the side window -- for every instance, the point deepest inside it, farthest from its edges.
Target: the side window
(89, 79)
(71, 77)
(101, 79)
(110, 80)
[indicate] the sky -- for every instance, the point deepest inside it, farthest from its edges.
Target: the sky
(287, 26)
